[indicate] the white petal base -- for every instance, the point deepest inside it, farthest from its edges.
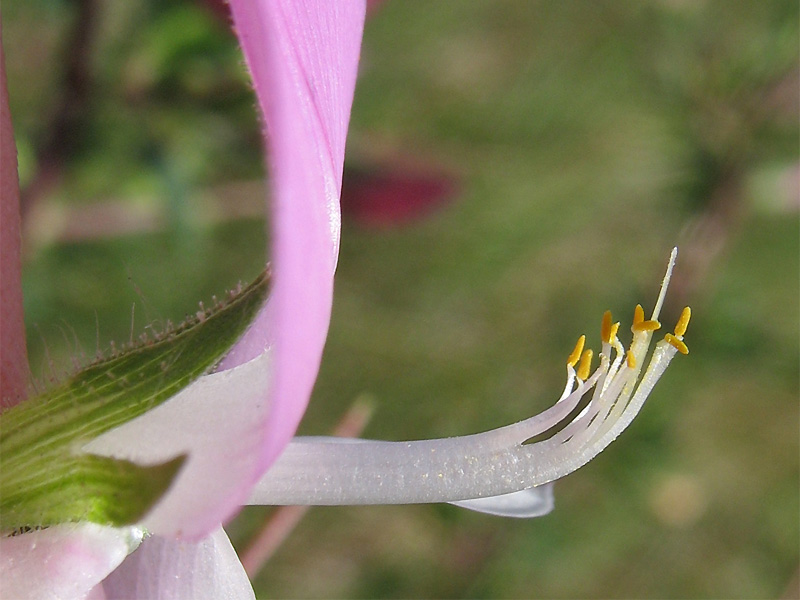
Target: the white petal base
(164, 569)
(63, 562)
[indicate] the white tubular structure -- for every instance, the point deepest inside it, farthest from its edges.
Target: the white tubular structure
(497, 471)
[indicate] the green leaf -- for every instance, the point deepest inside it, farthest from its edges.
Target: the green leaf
(45, 479)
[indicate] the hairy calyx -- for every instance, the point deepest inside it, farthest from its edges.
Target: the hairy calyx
(46, 477)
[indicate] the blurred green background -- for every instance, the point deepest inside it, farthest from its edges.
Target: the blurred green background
(582, 140)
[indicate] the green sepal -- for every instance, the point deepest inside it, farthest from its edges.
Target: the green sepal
(45, 479)
(89, 488)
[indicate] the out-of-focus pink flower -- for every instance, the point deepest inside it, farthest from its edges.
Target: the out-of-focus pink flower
(395, 195)
(303, 56)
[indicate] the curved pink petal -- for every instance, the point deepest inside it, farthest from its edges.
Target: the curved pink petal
(13, 353)
(63, 562)
(303, 56)
(233, 424)
(164, 569)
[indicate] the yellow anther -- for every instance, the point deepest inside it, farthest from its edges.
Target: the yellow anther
(678, 344)
(575, 356)
(614, 329)
(683, 321)
(605, 328)
(638, 315)
(585, 366)
(630, 359)
(650, 325)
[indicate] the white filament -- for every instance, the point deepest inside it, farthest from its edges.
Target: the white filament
(665, 283)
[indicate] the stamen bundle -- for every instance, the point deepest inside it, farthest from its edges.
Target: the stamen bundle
(497, 471)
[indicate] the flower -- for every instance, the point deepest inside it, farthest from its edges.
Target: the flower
(303, 56)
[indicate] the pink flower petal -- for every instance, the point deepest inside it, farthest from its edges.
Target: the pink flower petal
(13, 353)
(62, 562)
(303, 56)
(163, 569)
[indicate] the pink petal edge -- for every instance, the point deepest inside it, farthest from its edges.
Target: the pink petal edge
(303, 56)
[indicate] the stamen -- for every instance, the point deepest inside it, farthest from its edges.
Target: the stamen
(678, 344)
(638, 316)
(606, 333)
(586, 363)
(501, 466)
(650, 325)
(683, 322)
(573, 358)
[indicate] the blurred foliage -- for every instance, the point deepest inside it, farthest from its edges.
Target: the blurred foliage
(589, 138)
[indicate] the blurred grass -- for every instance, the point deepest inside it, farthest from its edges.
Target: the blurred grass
(589, 138)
